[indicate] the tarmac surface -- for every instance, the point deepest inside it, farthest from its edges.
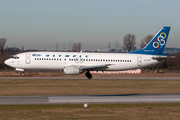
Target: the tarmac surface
(94, 78)
(90, 99)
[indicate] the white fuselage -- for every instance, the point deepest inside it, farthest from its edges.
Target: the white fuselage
(59, 60)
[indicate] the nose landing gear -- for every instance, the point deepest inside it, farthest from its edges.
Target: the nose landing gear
(88, 75)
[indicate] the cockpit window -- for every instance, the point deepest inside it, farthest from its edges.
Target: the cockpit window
(15, 57)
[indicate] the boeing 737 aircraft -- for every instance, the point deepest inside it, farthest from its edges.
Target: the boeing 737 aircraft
(75, 63)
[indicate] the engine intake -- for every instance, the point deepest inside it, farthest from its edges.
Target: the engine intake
(71, 70)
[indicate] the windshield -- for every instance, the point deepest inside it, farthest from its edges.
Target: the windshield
(15, 57)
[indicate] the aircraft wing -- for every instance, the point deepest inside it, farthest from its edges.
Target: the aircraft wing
(96, 67)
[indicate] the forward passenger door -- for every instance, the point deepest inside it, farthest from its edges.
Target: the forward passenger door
(28, 58)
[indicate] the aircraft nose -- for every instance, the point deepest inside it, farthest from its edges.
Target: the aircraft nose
(7, 62)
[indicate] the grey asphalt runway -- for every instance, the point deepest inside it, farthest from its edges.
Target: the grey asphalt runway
(94, 78)
(90, 99)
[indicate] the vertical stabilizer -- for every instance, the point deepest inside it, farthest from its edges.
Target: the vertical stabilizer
(157, 44)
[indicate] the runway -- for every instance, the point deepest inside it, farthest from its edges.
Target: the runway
(90, 99)
(94, 78)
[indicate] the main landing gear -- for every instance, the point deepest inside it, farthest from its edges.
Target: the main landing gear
(22, 74)
(88, 75)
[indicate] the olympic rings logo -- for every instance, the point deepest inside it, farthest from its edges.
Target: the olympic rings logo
(160, 42)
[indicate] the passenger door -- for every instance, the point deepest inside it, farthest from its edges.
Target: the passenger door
(28, 58)
(139, 61)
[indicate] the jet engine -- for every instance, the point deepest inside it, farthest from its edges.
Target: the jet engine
(69, 70)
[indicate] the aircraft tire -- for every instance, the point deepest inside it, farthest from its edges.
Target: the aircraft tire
(88, 75)
(22, 74)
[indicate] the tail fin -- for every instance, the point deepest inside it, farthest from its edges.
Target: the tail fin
(157, 44)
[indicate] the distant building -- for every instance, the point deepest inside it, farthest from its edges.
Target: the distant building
(171, 50)
(133, 49)
(113, 50)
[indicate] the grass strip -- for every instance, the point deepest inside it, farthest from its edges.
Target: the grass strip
(87, 87)
(138, 111)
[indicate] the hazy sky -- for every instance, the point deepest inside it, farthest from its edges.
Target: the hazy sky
(40, 24)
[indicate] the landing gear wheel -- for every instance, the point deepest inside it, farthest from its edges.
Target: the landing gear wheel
(88, 75)
(22, 74)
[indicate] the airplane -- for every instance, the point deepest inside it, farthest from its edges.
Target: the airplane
(75, 63)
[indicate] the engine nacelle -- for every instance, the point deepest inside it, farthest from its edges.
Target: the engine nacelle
(69, 70)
